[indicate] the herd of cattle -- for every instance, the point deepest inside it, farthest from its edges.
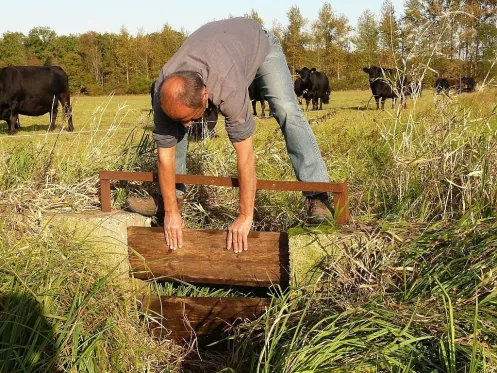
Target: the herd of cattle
(37, 90)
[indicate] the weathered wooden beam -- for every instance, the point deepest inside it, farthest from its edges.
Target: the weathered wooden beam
(105, 195)
(204, 258)
(302, 186)
(185, 318)
(339, 190)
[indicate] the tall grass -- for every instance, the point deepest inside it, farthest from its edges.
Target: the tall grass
(418, 296)
(447, 325)
(59, 311)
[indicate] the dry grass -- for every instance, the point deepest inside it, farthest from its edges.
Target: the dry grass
(422, 184)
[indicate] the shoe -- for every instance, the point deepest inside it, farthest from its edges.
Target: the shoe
(150, 206)
(318, 209)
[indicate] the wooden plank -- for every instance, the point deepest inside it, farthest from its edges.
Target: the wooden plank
(339, 190)
(302, 186)
(204, 258)
(185, 318)
(105, 195)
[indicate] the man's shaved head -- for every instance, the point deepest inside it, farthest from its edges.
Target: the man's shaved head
(183, 96)
(181, 88)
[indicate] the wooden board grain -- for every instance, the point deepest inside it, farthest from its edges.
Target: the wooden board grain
(204, 258)
(185, 318)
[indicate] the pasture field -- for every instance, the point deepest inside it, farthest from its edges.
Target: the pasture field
(419, 295)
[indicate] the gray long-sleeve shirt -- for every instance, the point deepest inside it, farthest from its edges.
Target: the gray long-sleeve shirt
(227, 55)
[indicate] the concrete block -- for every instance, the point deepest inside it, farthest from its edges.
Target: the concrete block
(105, 233)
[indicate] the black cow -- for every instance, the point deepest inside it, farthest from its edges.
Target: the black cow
(255, 94)
(305, 94)
(446, 84)
(297, 88)
(461, 84)
(34, 91)
(308, 96)
(387, 83)
(468, 84)
(316, 84)
(202, 129)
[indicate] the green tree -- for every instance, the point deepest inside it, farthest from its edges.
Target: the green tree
(295, 39)
(12, 51)
(61, 46)
(75, 69)
(167, 42)
(90, 51)
(331, 36)
(255, 16)
(366, 39)
(414, 29)
(479, 28)
(389, 34)
(125, 54)
(39, 43)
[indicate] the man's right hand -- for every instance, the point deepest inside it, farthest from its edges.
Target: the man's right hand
(173, 225)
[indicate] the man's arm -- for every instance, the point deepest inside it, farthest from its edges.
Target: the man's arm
(173, 224)
(238, 231)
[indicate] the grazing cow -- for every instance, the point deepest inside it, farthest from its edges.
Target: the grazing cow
(446, 84)
(317, 85)
(462, 84)
(385, 84)
(255, 94)
(34, 91)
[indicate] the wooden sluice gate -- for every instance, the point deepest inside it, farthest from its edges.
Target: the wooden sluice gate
(203, 259)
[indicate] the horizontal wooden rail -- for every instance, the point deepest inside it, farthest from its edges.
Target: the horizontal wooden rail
(185, 318)
(339, 190)
(204, 258)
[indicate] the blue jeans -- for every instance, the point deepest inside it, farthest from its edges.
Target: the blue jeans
(277, 88)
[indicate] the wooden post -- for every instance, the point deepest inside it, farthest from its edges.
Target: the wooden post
(204, 258)
(341, 206)
(185, 318)
(105, 195)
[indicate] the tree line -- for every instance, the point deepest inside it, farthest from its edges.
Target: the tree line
(427, 38)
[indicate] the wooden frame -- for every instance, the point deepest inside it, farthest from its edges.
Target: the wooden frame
(339, 190)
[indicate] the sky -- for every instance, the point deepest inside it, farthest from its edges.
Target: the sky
(76, 17)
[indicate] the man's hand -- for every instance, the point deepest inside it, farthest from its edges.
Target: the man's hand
(238, 232)
(173, 225)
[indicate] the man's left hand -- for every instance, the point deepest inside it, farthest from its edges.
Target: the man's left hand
(238, 232)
